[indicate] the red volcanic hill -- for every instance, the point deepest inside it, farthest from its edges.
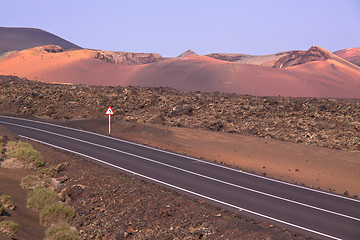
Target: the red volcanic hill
(312, 73)
(294, 58)
(83, 66)
(326, 78)
(188, 53)
(350, 54)
(278, 60)
(22, 38)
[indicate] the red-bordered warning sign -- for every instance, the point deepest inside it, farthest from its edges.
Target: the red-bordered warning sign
(109, 111)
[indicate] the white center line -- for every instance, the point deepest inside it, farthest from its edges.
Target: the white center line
(188, 191)
(190, 172)
(187, 157)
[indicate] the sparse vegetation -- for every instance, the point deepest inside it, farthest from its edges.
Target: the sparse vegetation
(9, 228)
(3, 140)
(56, 213)
(25, 153)
(5, 199)
(33, 181)
(42, 179)
(50, 172)
(62, 232)
(1, 209)
(5, 202)
(40, 198)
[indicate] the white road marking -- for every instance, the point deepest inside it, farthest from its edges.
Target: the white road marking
(191, 158)
(190, 172)
(188, 191)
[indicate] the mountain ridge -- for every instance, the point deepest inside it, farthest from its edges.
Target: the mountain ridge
(315, 72)
(23, 38)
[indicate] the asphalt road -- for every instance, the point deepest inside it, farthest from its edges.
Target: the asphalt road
(312, 212)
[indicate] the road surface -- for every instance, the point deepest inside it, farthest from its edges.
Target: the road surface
(312, 212)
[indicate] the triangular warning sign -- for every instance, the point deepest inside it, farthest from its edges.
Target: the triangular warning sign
(109, 111)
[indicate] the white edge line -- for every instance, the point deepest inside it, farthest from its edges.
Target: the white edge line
(179, 155)
(184, 190)
(190, 172)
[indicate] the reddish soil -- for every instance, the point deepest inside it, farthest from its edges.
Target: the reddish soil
(194, 74)
(350, 54)
(29, 221)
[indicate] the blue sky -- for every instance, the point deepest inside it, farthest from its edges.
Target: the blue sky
(170, 27)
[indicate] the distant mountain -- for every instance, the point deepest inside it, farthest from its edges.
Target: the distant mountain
(312, 73)
(42, 56)
(294, 58)
(22, 38)
(188, 53)
(277, 60)
(350, 54)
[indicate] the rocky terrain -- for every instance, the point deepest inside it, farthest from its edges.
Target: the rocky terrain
(278, 60)
(262, 60)
(294, 58)
(330, 123)
(109, 205)
(127, 58)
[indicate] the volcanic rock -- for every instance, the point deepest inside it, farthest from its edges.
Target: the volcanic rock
(300, 57)
(74, 191)
(127, 58)
(331, 123)
(109, 58)
(230, 57)
(52, 48)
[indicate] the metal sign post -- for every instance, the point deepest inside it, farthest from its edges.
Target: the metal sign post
(109, 125)
(109, 112)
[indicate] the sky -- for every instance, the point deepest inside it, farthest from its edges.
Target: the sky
(169, 27)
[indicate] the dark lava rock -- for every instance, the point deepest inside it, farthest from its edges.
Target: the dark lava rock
(60, 167)
(330, 123)
(74, 192)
